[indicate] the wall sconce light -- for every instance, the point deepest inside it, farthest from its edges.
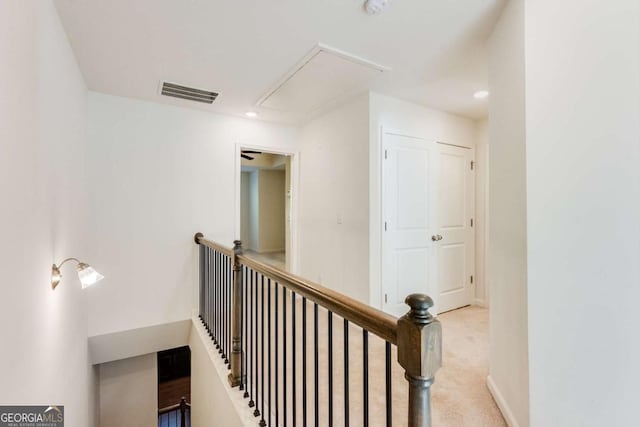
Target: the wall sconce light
(88, 275)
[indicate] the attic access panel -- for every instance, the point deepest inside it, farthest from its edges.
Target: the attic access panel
(325, 76)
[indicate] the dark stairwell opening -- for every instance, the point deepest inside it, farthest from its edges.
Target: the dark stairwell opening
(174, 387)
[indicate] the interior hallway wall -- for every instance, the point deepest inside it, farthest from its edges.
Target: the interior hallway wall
(271, 210)
(129, 392)
(245, 209)
(583, 210)
(159, 174)
(44, 358)
(482, 168)
(507, 258)
(333, 207)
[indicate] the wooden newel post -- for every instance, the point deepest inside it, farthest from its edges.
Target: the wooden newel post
(420, 354)
(235, 377)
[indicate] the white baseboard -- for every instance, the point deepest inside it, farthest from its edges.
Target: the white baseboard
(502, 403)
(481, 303)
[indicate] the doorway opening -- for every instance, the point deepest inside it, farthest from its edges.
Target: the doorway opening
(265, 206)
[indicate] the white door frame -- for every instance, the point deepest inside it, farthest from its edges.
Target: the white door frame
(295, 163)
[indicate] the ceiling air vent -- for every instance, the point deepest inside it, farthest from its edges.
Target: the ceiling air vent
(188, 93)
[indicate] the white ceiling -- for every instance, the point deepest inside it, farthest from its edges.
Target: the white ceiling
(243, 48)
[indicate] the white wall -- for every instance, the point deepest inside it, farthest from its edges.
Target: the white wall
(583, 209)
(159, 174)
(271, 209)
(245, 209)
(333, 215)
(213, 402)
(414, 120)
(254, 211)
(482, 211)
(507, 257)
(129, 392)
(42, 220)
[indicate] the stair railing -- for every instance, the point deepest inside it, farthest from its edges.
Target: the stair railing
(176, 414)
(240, 297)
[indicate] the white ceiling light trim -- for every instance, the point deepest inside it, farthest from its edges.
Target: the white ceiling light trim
(481, 94)
(375, 6)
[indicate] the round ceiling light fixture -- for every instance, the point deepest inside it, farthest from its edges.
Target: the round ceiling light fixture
(251, 114)
(375, 6)
(481, 94)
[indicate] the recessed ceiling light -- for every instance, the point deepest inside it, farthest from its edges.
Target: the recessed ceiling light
(481, 94)
(251, 114)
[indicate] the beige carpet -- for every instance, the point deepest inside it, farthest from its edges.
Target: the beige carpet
(460, 396)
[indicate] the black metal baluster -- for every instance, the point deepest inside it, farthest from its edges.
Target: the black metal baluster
(315, 365)
(304, 362)
(242, 348)
(365, 376)
(262, 421)
(219, 304)
(206, 290)
(269, 347)
(387, 350)
(223, 306)
(229, 307)
(256, 412)
(330, 338)
(212, 297)
(225, 324)
(251, 368)
(225, 301)
(201, 280)
(284, 355)
(229, 292)
(346, 372)
(245, 337)
(275, 323)
(214, 302)
(293, 358)
(218, 310)
(205, 320)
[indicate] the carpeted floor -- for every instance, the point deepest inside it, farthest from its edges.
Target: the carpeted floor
(460, 396)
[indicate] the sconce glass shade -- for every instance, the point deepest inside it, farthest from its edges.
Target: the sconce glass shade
(88, 275)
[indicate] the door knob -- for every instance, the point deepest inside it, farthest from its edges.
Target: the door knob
(436, 238)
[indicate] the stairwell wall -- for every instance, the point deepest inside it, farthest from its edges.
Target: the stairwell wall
(44, 358)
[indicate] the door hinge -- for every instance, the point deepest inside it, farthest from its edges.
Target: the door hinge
(386, 154)
(472, 280)
(472, 222)
(472, 164)
(385, 226)
(385, 298)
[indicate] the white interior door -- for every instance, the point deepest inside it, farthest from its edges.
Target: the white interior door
(455, 237)
(408, 196)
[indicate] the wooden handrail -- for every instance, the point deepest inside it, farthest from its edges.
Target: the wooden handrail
(199, 238)
(172, 408)
(363, 315)
(376, 321)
